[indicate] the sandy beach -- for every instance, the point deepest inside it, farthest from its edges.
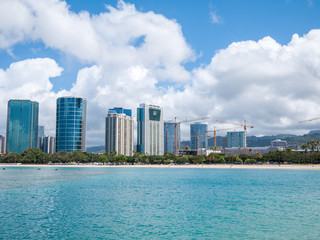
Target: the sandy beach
(204, 166)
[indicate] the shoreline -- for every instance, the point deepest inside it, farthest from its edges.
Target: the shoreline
(189, 166)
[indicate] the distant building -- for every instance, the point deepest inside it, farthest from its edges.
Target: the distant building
(119, 110)
(235, 139)
(40, 134)
(224, 141)
(22, 125)
(71, 124)
(279, 143)
(119, 133)
(3, 144)
(47, 144)
(198, 130)
(150, 129)
(40, 131)
(250, 151)
(184, 144)
(169, 137)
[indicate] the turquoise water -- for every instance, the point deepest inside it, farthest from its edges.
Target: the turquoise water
(142, 203)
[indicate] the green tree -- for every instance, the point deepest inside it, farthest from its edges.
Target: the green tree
(119, 159)
(34, 155)
(78, 156)
(11, 158)
(250, 161)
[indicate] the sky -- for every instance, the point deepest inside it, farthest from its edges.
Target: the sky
(231, 60)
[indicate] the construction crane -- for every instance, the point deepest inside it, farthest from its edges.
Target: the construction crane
(217, 130)
(176, 130)
(309, 120)
(245, 126)
(198, 138)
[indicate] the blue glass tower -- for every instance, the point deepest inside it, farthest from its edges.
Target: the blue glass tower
(71, 124)
(169, 137)
(22, 125)
(119, 110)
(235, 139)
(198, 129)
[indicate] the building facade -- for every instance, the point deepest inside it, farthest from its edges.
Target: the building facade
(235, 139)
(169, 137)
(119, 110)
(47, 144)
(119, 133)
(150, 129)
(22, 125)
(71, 124)
(279, 143)
(198, 130)
(40, 134)
(3, 145)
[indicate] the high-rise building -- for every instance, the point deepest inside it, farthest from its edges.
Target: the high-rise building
(40, 131)
(47, 144)
(119, 132)
(3, 144)
(150, 129)
(127, 112)
(198, 129)
(22, 125)
(169, 137)
(235, 139)
(71, 124)
(40, 134)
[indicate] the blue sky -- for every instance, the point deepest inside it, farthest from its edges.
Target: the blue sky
(236, 21)
(233, 60)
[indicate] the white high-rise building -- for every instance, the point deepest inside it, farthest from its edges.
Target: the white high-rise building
(47, 144)
(150, 129)
(119, 133)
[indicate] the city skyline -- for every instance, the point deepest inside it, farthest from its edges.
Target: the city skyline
(228, 60)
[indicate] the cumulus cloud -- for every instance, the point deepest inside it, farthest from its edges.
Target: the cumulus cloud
(30, 79)
(135, 57)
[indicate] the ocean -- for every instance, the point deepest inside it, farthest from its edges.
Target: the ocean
(159, 203)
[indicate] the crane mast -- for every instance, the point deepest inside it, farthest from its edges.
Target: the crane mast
(176, 130)
(245, 126)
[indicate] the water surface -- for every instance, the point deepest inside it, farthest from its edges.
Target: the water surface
(149, 203)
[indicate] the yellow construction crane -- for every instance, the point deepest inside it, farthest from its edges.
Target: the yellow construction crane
(245, 126)
(197, 136)
(215, 133)
(176, 130)
(309, 120)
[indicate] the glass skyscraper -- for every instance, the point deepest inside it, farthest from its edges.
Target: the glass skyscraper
(71, 124)
(150, 129)
(22, 125)
(119, 110)
(235, 139)
(169, 137)
(198, 129)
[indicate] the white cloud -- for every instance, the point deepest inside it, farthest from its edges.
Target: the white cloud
(30, 79)
(130, 53)
(215, 18)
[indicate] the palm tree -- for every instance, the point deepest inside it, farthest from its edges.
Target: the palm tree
(305, 147)
(313, 144)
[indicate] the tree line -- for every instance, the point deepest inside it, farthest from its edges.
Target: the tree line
(36, 156)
